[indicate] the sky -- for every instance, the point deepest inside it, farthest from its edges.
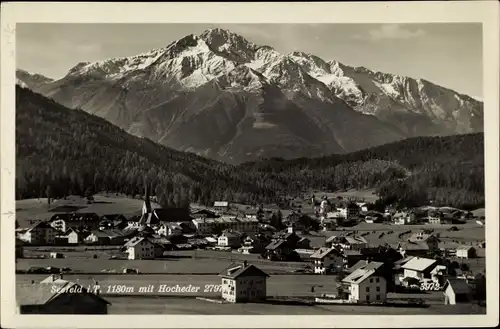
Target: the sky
(448, 54)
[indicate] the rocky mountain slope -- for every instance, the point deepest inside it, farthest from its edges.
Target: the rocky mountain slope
(221, 96)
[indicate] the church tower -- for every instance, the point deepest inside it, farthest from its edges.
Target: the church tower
(146, 207)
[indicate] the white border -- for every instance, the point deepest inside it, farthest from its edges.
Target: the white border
(382, 12)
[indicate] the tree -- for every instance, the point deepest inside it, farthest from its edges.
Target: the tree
(89, 194)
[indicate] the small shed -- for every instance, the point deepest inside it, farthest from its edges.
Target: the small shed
(466, 252)
(457, 291)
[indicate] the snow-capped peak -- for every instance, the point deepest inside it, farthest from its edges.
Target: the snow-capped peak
(229, 44)
(21, 83)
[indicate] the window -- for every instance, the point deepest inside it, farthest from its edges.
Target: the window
(367, 289)
(371, 280)
(367, 297)
(378, 297)
(377, 280)
(378, 288)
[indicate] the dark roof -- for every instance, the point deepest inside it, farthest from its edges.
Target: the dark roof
(459, 286)
(206, 213)
(40, 294)
(40, 224)
(238, 269)
(172, 214)
(276, 244)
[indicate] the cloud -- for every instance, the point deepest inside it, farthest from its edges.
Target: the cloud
(391, 31)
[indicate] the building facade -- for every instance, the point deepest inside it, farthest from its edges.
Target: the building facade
(243, 283)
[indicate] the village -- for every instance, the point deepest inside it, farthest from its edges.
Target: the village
(321, 250)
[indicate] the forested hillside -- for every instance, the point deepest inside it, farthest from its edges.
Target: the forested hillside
(448, 170)
(62, 151)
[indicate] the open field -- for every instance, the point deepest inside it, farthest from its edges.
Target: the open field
(131, 305)
(103, 204)
(468, 233)
(168, 265)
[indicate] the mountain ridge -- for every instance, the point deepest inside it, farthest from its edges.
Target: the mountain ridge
(134, 92)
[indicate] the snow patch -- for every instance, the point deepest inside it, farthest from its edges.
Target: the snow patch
(388, 89)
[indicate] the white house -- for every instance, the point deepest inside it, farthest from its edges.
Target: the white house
(327, 260)
(418, 268)
(348, 211)
(230, 239)
(40, 233)
(139, 248)
(402, 218)
(243, 283)
(366, 285)
(466, 252)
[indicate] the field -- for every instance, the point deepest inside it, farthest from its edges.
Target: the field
(30, 209)
(131, 305)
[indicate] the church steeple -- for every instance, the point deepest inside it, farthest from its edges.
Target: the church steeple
(146, 207)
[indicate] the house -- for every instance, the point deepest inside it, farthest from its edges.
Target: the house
(424, 236)
(403, 218)
(231, 239)
(409, 248)
(97, 237)
(243, 283)
(254, 243)
(366, 284)
(113, 221)
(327, 260)
(466, 252)
(59, 297)
(41, 233)
(278, 250)
(167, 228)
(19, 248)
(72, 236)
(419, 268)
(435, 217)
(221, 206)
(363, 206)
(348, 210)
(139, 248)
(349, 242)
(82, 221)
(457, 291)
(438, 274)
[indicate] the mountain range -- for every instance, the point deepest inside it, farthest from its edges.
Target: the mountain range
(221, 96)
(61, 152)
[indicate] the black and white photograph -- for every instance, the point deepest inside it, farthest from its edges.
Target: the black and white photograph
(267, 168)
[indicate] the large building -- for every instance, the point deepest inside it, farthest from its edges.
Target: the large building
(327, 260)
(40, 233)
(140, 248)
(80, 221)
(366, 284)
(243, 283)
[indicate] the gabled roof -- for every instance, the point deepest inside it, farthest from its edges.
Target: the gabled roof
(135, 241)
(276, 244)
(355, 240)
(40, 224)
(323, 252)
(465, 248)
(459, 286)
(237, 269)
(172, 214)
(421, 245)
(419, 264)
(358, 276)
(40, 294)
